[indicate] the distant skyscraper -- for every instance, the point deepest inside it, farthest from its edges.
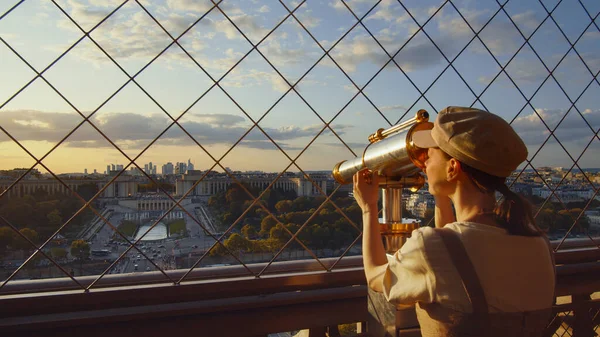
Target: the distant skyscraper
(119, 167)
(107, 169)
(167, 168)
(190, 166)
(85, 171)
(180, 168)
(150, 166)
(95, 172)
(112, 167)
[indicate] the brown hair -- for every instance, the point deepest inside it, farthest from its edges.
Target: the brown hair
(513, 212)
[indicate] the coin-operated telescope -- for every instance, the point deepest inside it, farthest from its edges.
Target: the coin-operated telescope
(393, 156)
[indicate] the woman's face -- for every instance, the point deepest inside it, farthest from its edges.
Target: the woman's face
(436, 168)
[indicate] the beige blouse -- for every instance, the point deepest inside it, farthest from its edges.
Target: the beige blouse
(516, 272)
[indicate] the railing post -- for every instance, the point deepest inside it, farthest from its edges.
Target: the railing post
(582, 325)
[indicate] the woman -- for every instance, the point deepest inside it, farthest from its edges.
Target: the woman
(486, 269)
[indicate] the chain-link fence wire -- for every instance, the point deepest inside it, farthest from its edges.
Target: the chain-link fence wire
(562, 323)
(327, 124)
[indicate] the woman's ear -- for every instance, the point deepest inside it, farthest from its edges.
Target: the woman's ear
(453, 169)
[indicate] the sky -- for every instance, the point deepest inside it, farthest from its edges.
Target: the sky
(180, 84)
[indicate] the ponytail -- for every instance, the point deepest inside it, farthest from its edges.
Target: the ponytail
(514, 213)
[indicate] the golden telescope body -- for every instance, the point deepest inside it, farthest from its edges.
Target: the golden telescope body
(393, 156)
(391, 153)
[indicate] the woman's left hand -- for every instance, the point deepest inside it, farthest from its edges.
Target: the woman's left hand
(366, 189)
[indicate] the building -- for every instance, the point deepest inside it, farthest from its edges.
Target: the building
(124, 186)
(168, 169)
(219, 182)
(593, 216)
(564, 194)
(418, 203)
(180, 168)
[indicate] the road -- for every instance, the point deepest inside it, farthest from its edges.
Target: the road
(160, 252)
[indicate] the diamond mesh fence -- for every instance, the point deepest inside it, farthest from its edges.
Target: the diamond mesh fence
(264, 98)
(562, 324)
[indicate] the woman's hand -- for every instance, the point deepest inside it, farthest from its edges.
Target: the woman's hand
(366, 189)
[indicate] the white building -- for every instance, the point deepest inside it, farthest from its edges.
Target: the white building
(418, 203)
(593, 216)
(215, 183)
(564, 194)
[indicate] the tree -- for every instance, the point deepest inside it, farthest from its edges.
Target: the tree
(28, 199)
(547, 220)
(249, 232)
(236, 243)
(320, 235)
(54, 219)
(283, 206)
(301, 204)
(279, 234)
(218, 250)
(266, 224)
(236, 193)
(7, 238)
(19, 214)
(58, 253)
(29, 234)
(80, 249)
(40, 194)
(87, 191)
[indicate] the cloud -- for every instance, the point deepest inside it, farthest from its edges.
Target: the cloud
(390, 14)
(337, 4)
(500, 36)
(267, 145)
(220, 119)
(106, 3)
(264, 9)
(530, 70)
(572, 128)
(198, 6)
(592, 34)
(130, 33)
(129, 130)
(393, 107)
(420, 54)
(352, 145)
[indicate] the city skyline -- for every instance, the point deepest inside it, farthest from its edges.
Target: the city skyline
(39, 118)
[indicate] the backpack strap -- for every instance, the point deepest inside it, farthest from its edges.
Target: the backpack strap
(463, 264)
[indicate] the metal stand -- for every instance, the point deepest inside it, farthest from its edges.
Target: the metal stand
(385, 319)
(393, 231)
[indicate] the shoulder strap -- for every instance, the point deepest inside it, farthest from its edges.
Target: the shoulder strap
(465, 268)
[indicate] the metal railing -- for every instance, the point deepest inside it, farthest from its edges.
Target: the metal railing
(302, 296)
(358, 21)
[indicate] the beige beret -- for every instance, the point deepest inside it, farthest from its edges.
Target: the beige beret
(477, 138)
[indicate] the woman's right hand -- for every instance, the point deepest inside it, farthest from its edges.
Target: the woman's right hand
(366, 189)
